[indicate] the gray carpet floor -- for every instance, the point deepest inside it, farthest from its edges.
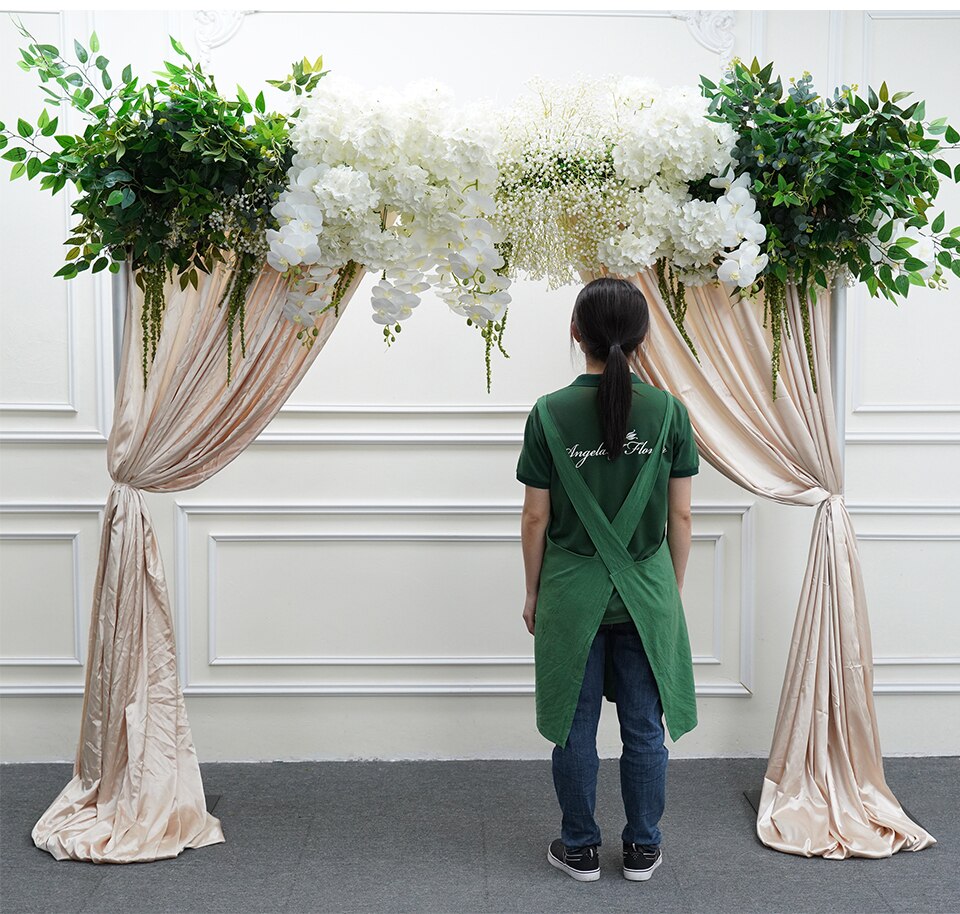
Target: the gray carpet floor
(472, 836)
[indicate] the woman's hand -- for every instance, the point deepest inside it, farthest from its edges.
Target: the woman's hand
(530, 612)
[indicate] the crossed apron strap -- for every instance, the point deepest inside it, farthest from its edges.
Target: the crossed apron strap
(609, 539)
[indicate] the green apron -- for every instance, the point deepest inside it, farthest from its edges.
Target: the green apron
(575, 589)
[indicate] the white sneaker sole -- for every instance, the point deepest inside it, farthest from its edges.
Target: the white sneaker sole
(579, 875)
(642, 875)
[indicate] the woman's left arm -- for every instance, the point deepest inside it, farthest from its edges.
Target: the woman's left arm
(533, 540)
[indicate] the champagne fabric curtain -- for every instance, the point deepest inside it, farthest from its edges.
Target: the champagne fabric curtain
(136, 793)
(824, 793)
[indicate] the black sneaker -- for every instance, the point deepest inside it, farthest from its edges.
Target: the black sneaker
(640, 860)
(583, 863)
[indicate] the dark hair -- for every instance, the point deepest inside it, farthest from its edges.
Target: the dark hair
(612, 319)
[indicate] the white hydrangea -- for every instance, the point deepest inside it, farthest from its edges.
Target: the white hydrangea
(598, 172)
(402, 183)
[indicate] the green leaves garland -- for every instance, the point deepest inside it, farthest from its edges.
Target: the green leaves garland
(172, 175)
(834, 179)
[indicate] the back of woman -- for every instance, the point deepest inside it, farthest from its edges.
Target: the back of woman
(574, 409)
(607, 463)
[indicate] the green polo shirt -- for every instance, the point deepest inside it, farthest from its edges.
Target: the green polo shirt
(574, 409)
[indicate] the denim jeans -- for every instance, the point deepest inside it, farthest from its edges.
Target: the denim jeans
(643, 762)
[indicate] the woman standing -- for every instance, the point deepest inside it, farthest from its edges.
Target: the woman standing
(607, 464)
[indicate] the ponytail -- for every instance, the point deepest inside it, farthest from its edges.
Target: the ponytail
(612, 319)
(613, 400)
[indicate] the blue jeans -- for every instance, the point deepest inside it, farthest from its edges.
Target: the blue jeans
(643, 763)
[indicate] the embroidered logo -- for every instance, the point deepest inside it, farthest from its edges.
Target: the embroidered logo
(632, 445)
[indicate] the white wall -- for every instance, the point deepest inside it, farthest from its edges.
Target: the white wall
(351, 585)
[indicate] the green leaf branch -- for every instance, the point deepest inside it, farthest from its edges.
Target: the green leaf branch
(171, 175)
(832, 177)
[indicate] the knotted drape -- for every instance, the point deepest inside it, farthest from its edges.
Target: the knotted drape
(136, 792)
(824, 793)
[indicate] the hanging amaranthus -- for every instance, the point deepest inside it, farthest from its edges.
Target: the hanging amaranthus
(674, 295)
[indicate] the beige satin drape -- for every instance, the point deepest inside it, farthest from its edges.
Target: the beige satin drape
(136, 793)
(824, 793)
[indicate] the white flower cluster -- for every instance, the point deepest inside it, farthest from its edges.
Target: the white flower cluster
(600, 173)
(401, 183)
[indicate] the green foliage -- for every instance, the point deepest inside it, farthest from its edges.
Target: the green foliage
(170, 174)
(831, 177)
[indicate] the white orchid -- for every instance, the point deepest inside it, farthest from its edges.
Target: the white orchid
(743, 266)
(297, 309)
(397, 182)
(726, 181)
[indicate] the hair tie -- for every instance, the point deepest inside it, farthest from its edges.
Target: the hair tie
(614, 346)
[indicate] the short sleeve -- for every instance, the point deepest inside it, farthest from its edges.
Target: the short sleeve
(686, 460)
(535, 464)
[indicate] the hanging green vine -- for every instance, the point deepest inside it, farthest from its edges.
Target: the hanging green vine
(674, 294)
(774, 309)
(151, 279)
(245, 271)
(344, 279)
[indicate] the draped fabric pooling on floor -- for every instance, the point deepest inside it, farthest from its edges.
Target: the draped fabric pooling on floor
(136, 794)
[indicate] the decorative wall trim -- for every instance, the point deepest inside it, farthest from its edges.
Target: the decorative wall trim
(184, 511)
(835, 50)
(712, 29)
(758, 35)
(445, 412)
(404, 409)
(71, 537)
(915, 510)
(388, 438)
(894, 438)
(269, 660)
(215, 28)
(80, 594)
(921, 509)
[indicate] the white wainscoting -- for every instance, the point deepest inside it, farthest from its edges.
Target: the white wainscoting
(728, 593)
(45, 594)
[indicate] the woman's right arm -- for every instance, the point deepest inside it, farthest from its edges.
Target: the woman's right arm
(533, 540)
(679, 524)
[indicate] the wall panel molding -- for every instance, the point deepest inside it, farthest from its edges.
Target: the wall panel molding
(79, 603)
(742, 686)
(920, 683)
